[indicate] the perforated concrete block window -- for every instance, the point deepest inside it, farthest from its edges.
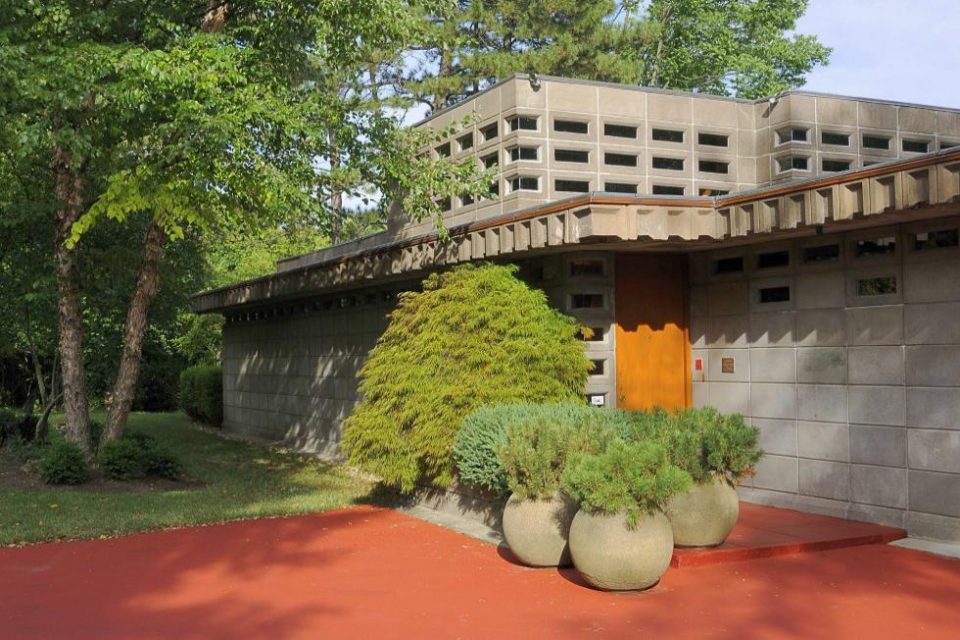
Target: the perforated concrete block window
(620, 159)
(524, 153)
(466, 200)
(671, 164)
(793, 134)
(710, 191)
(727, 266)
(490, 132)
(465, 142)
(873, 247)
(443, 150)
(490, 161)
(620, 131)
(593, 334)
(915, 146)
(773, 295)
(667, 190)
(821, 253)
(875, 142)
(620, 187)
(835, 139)
(524, 183)
(572, 186)
(599, 368)
(571, 155)
(587, 268)
(797, 163)
(571, 126)
(773, 259)
(939, 239)
(666, 135)
(948, 144)
(712, 139)
(876, 286)
(714, 166)
(586, 301)
(831, 165)
(523, 123)
(445, 204)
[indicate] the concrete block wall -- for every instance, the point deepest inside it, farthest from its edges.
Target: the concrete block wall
(844, 350)
(293, 377)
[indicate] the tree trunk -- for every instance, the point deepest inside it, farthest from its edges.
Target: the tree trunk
(148, 282)
(69, 188)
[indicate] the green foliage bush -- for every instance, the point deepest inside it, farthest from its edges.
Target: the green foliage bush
(484, 431)
(136, 455)
(476, 335)
(201, 394)
(63, 462)
(627, 477)
(703, 442)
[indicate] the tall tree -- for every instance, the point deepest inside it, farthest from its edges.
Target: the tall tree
(194, 115)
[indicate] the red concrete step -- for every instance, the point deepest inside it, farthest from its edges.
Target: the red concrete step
(764, 532)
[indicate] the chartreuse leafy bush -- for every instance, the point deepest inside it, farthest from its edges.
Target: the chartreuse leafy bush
(137, 455)
(201, 394)
(632, 478)
(476, 335)
(63, 462)
(477, 448)
(704, 442)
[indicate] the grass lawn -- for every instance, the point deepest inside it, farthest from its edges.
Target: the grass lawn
(231, 480)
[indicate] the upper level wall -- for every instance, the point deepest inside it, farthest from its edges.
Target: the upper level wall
(647, 141)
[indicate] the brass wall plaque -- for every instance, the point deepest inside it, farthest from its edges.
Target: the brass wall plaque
(726, 365)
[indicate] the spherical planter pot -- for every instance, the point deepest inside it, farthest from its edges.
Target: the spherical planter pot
(537, 530)
(612, 557)
(705, 515)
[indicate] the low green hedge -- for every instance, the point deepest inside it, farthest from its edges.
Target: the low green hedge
(201, 394)
(137, 455)
(63, 462)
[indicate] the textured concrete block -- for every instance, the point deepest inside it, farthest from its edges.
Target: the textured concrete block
(821, 290)
(822, 403)
(933, 407)
(823, 441)
(777, 473)
(728, 298)
(822, 365)
(878, 445)
(881, 325)
(730, 397)
(728, 331)
(931, 323)
(701, 394)
(699, 301)
(928, 525)
(825, 479)
(698, 332)
(924, 281)
(877, 405)
(933, 366)
(778, 437)
(740, 361)
(875, 365)
(772, 329)
(882, 486)
(773, 400)
(933, 492)
(934, 450)
(821, 328)
(773, 365)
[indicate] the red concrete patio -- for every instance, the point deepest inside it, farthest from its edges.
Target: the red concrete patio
(367, 572)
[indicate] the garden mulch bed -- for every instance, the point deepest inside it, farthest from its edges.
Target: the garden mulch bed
(14, 474)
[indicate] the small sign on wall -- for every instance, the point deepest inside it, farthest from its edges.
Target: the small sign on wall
(597, 399)
(727, 365)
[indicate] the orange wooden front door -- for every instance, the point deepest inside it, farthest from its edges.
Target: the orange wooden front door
(653, 349)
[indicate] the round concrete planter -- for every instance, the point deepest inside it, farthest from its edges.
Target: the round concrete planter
(612, 557)
(537, 530)
(705, 515)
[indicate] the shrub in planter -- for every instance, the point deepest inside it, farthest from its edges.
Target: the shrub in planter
(533, 455)
(476, 335)
(621, 539)
(201, 394)
(483, 432)
(63, 462)
(716, 450)
(136, 455)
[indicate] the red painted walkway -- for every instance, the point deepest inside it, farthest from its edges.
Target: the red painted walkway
(374, 573)
(764, 532)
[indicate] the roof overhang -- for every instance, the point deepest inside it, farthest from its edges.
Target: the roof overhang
(925, 186)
